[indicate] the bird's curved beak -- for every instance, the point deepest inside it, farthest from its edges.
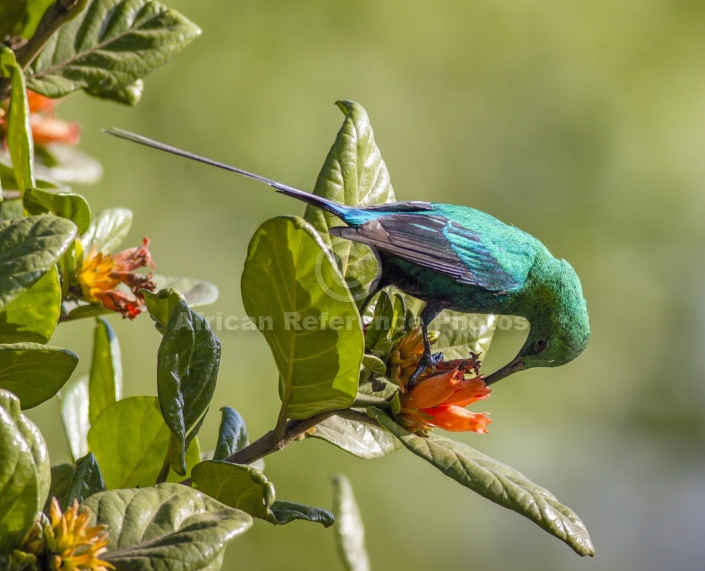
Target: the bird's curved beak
(514, 366)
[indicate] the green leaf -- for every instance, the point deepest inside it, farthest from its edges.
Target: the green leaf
(109, 47)
(35, 372)
(373, 364)
(358, 438)
(235, 485)
(380, 328)
(129, 95)
(12, 12)
(29, 247)
(232, 435)
(130, 440)
(107, 230)
(293, 289)
(24, 472)
(19, 133)
(187, 371)
(105, 380)
(32, 317)
(79, 482)
(74, 415)
(12, 209)
(64, 204)
(61, 477)
(161, 305)
(349, 529)
(195, 292)
(353, 174)
(463, 333)
(282, 513)
(167, 527)
(35, 10)
(496, 482)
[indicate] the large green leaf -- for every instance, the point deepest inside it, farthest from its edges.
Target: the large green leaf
(105, 379)
(232, 435)
(293, 289)
(358, 438)
(463, 333)
(24, 472)
(495, 481)
(349, 529)
(130, 440)
(35, 372)
(32, 317)
(64, 204)
(168, 527)
(187, 371)
(74, 415)
(107, 230)
(29, 247)
(111, 45)
(19, 134)
(353, 174)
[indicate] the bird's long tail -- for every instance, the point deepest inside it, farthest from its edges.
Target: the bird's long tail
(334, 208)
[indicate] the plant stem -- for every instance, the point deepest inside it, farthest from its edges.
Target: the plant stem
(293, 430)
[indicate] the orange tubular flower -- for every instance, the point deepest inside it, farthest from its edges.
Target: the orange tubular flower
(440, 395)
(101, 274)
(46, 128)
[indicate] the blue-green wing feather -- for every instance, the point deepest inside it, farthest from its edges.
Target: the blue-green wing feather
(465, 244)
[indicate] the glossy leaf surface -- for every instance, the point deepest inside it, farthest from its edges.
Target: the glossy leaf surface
(353, 174)
(24, 472)
(29, 247)
(35, 372)
(168, 527)
(496, 482)
(109, 46)
(292, 287)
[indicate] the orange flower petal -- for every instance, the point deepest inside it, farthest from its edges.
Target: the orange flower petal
(432, 391)
(134, 258)
(457, 419)
(47, 129)
(468, 392)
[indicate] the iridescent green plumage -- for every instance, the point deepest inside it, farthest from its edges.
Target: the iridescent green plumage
(456, 257)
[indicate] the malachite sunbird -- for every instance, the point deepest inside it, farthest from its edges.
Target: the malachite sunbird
(456, 257)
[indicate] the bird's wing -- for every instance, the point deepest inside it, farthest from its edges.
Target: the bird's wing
(446, 247)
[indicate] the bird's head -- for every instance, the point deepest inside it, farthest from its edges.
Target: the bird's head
(557, 312)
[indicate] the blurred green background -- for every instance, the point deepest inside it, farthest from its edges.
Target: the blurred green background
(582, 123)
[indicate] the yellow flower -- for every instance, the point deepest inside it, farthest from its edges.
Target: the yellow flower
(102, 273)
(69, 544)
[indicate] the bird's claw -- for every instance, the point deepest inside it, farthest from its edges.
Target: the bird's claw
(426, 361)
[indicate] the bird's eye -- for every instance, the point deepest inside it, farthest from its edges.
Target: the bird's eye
(541, 345)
